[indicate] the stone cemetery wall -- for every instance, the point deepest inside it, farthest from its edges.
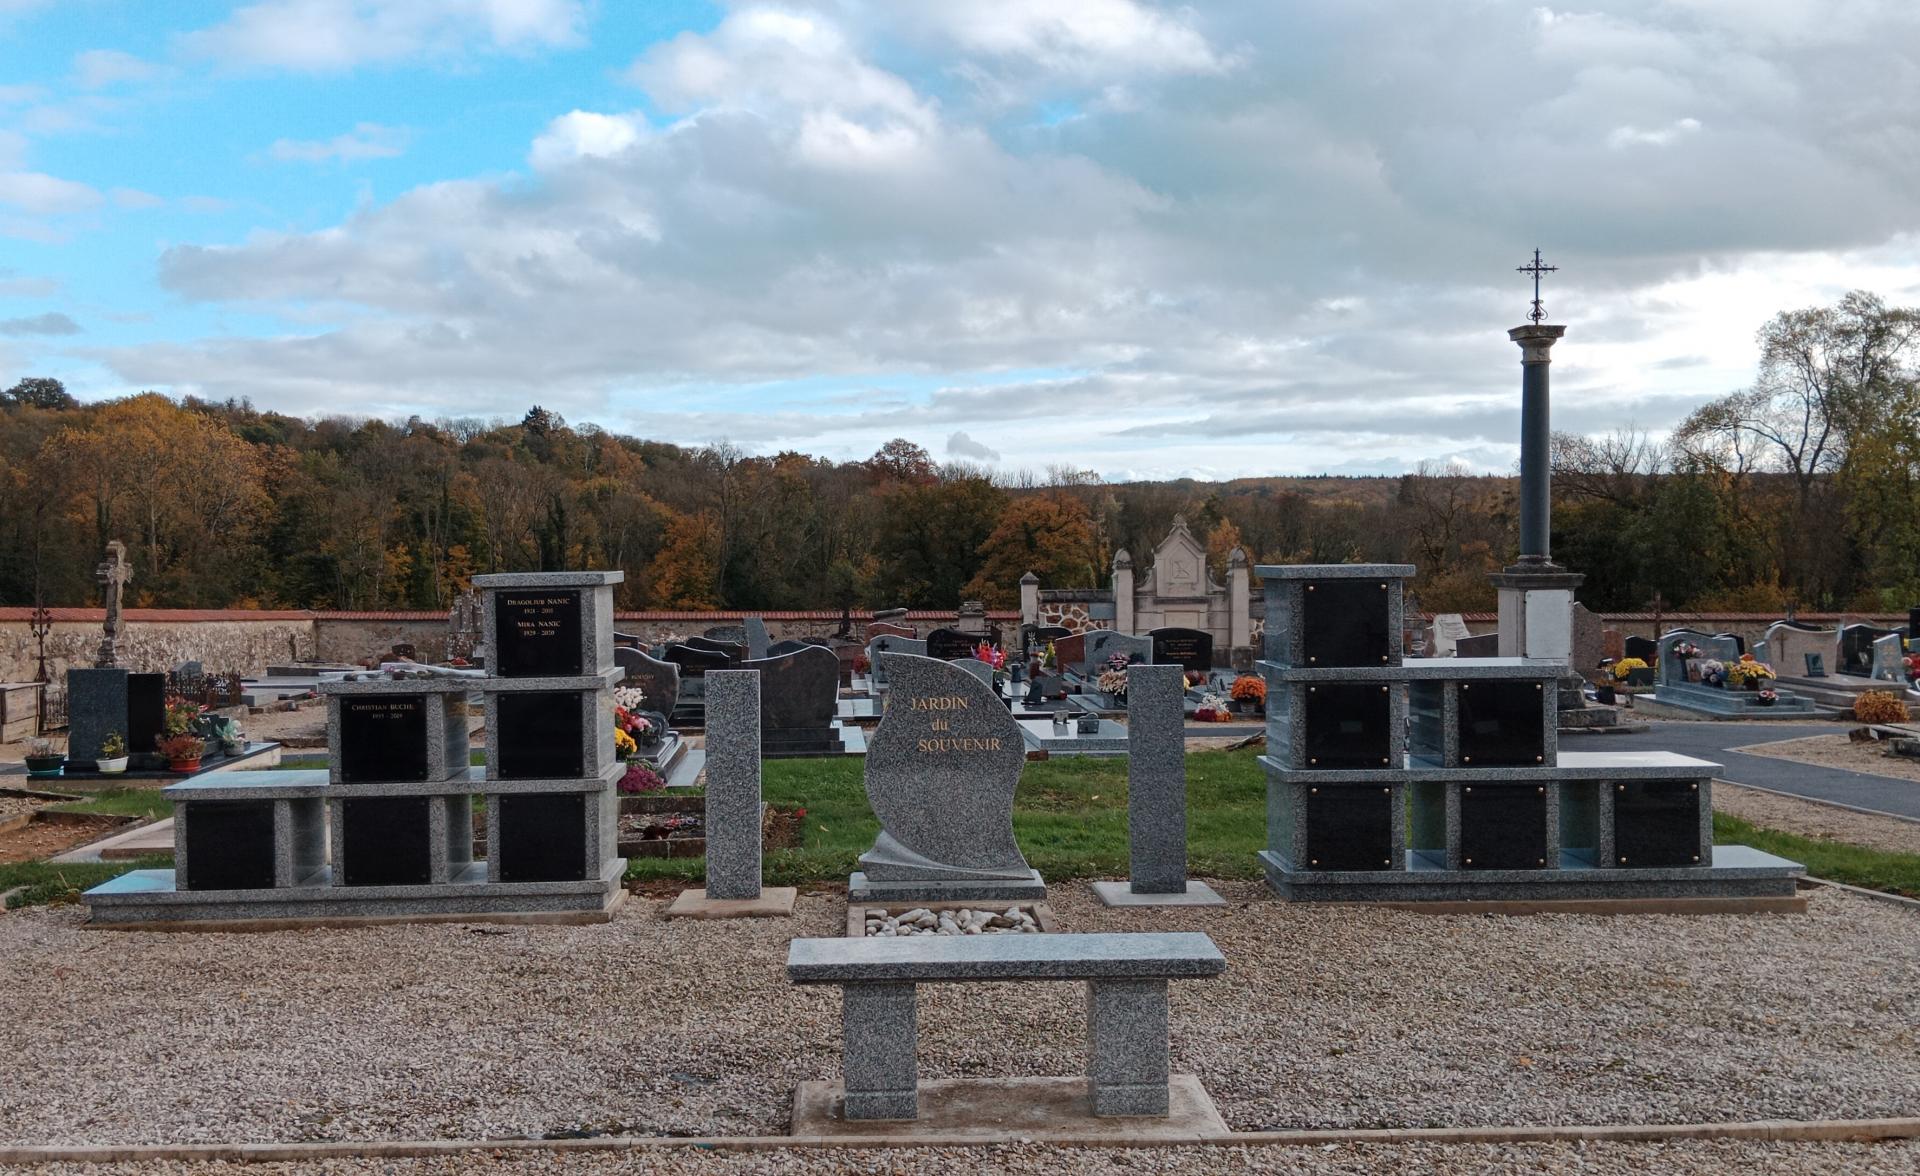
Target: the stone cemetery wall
(156, 640)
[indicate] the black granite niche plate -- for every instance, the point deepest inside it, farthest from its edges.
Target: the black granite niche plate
(1349, 827)
(543, 837)
(1349, 725)
(540, 736)
(1503, 827)
(1344, 623)
(383, 738)
(229, 845)
(1656, 823)
(1502, 724)
(1190, 649)
(537, 633)
(386, 842)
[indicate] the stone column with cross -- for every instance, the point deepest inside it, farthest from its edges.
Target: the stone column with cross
(114, 573)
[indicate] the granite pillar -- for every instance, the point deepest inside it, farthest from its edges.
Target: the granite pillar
(1127, 1048)
(733, 784)
(881, 1028)
(1156, 795)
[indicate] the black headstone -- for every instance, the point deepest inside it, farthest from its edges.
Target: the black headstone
(952, 644)
(1349, 827)
(798, 689)
(657, 680)
(543, 837)
(540, 736)
(1503, 826)
(1739, 642)
(385, 841)
(383, 738)
(1656, 823)
(1189, 648)
(536, 633)
(1344, 623)
(1913, 622)
(1348, 726)
(1502, 724)
(146, 711)
(1856, 649)
(733, 651)
(694, 662)
(229, 844)
(1644, 648)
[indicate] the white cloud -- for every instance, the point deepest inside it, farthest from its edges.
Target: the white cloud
(13, 149)
(17, 285)
(17, 93)
(135, 198)
(37, 192)
(1287, 245)
(333, 35)
(582, 134)
(961, 445)
(365, 141)
(98, 68)
(52, 323)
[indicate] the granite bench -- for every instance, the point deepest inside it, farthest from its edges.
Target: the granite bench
(1126, 978)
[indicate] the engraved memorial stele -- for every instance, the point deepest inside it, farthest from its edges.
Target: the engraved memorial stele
(940, 774)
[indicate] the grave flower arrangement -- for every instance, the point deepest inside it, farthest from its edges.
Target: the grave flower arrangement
(861, 663)
(1213, 709)
(113, 754)
(182, 751)
(1748, 673)
(1626, 666)
(993, 655)
(1713, 672)
(1113, 681)
(640, 778)
(1250, 688)
(1768, 697)
(623, 744)
(1686, 649)
(44, 757)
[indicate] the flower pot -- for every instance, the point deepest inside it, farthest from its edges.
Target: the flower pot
(45, 765)
(1604, 694)
(1752, 684)
(1640, 677)
(1765, 701)
(111, 767)
(190, 765)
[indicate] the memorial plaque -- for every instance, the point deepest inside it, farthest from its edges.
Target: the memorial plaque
(952, 644)
(543, 837)
(1344, 623)
(1816, 665)
(541, 735)
(383, 738)
(536, 633)
(1188, 648)
(229, 844)
(1349, 827)
(1348, 726)
(1656, 823)
(385, 842)
(146, 711)
(1503, 827)
(1502, 724)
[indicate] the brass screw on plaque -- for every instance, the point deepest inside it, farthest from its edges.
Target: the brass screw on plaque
(1696, 857)
(1387, 862)
(1310, 762)
(1542, 861)
(1313, 861)
(1385, 760)
(1387, 790)
(1537, 686)
(1693, 788)
(1466, 685)
(1315, 791)
(1309, 587)
(1620, 787)
(1468, 788)
(1623, 861)
(1539, 759)
(1313, 657)
(1469, 861)
(1466, 759)
(1542, 788)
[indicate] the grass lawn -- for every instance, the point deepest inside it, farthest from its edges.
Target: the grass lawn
(53, 881)
(1896, 873)
(1070, 817)
(122, 802)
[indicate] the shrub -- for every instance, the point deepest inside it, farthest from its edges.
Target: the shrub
(1249, 688)
(1879, 706)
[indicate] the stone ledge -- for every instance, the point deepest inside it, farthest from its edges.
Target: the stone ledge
(1120, 894)
(775, 902)
(991, 1109)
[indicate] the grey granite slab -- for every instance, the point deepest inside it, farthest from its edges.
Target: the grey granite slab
(862, 889)
(734, 715)
(1120, 894)
(1156, 780)
(757, 639)
(599, 680)
(330, 687)
(253, 785)
(549, 579)
(941, 771)
(1738, 871)
(150, 897)
(1334, 571)
(1592, 765)
(1127, 1051)
(1464, 669)
(924, 958)
(475, 782)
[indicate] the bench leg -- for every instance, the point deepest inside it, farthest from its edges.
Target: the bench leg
(879, 1023)
(1127, 1047)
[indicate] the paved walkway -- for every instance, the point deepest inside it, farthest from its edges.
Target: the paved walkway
(147, 839)
(1714, 741)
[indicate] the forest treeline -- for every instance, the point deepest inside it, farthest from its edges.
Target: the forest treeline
(1802, 489)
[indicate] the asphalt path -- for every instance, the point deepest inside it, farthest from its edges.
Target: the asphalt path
(1717, 741)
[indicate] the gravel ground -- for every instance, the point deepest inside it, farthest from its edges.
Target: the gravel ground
(20, 806)
(1688, 1158)
(1822, 821)
(1327, 1016)
(1837, 751)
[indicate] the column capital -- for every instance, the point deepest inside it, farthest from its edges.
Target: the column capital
(1536, 340)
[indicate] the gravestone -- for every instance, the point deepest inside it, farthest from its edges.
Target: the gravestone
(146, 713)
(951, 644)
(1070, 653)
(1644, 648)
(737, 709)
(694, 661)
(658, 681)
(1156, 796)
(890, 629)
(1791, 646)
(1856, 649)
(1483, 645)
(1448, 629)
(790, 646)
(941, 771)
(1105, 643)
(799, 693)
(1673, 670)
(757, 639)
(96, 706)
(1190, 649)
(1890, 658)
(733, 651)
(726, 635)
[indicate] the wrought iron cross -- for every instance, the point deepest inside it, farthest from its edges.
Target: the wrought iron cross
(1537, 270)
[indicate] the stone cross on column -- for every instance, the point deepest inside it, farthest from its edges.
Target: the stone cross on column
(114, 574)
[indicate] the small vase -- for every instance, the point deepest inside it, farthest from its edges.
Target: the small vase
(111, 767)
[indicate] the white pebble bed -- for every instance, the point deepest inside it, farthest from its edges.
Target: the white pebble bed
(965, 921)
(1326, 1017)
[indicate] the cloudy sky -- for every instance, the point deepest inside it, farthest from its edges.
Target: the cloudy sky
(1216, 240)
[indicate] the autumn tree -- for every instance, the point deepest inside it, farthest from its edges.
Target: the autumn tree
(685, 572)
(1048, 534)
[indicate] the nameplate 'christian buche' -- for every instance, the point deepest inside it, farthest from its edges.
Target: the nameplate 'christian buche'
(941, 771)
